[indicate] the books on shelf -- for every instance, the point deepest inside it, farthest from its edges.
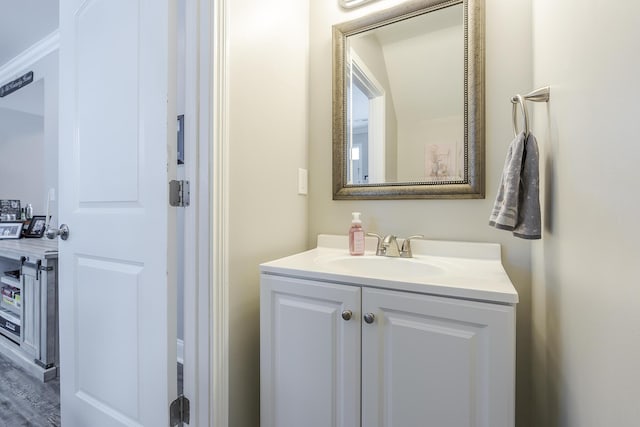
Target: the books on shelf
(9, 322)
(10, 304)
(11, 281)
(10, 299)
(13, 304)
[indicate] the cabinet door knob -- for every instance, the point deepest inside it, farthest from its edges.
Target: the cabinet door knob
(369, 318)
(346, 315)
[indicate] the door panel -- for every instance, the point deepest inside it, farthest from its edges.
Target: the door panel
(117, 143)
(310, 364)
(436, 359)
(110, 142)
(99, 280)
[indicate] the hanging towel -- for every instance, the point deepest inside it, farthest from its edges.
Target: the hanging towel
(517, 206)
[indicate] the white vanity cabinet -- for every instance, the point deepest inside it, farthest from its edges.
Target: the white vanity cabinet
(350, 352)
(423, 360)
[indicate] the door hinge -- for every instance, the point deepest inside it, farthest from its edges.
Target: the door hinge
(179, 193)
(179, 412)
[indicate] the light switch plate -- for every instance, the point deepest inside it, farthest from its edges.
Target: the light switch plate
(302, 181)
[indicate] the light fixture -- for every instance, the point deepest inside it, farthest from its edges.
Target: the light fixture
(349, 4)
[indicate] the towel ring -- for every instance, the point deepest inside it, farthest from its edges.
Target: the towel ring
(518, 99)
(539, 95)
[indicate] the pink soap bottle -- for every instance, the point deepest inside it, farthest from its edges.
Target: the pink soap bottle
(356, 235)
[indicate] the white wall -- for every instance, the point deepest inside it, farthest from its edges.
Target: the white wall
(268, 140)
(45, 70)
(508, 71)
(586, 300)
(22, 158)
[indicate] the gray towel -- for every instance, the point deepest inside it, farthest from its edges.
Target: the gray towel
(517, 206)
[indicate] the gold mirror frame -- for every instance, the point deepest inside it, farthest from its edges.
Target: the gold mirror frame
(473, 184)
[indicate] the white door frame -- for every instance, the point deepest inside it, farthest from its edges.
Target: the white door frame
(370, 86)
(219, 160)
(206, 381)
(196, 283)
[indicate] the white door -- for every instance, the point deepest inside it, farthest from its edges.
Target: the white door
(436, 361)
(117, 155)
(309, 353)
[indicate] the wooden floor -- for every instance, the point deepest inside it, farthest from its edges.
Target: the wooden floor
(26, 401)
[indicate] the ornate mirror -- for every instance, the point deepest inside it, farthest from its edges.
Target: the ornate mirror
(408, 102)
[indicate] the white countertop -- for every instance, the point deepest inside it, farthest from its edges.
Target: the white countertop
(461, 269)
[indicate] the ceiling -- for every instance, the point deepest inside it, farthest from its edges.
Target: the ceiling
(23, 23)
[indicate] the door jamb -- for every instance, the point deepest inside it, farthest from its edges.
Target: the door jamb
(206, 380)
(219, 149)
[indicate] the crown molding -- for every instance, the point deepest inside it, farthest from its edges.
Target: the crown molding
(30, 56)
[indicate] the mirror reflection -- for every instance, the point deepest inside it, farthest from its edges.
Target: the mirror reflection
(405, 105)
(408, 102)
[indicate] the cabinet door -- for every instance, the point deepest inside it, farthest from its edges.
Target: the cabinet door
(436, 361)
(309, 355)
(31, 310)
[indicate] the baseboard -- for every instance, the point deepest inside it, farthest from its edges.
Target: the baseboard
(180, 351)
(12, 352)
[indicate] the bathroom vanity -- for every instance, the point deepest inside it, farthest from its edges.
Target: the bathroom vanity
(29, 308)
(375, 341)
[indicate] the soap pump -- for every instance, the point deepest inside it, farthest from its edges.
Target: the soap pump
(356, 235)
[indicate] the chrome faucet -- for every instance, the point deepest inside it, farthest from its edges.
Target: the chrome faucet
(383, 243)
(388, 246)
(405, 252)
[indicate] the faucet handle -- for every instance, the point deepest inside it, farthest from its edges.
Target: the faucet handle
(405, 252)
(379, 245)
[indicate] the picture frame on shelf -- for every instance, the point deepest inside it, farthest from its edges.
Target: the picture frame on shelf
(10, 230)
(36, 226)
(9, 209)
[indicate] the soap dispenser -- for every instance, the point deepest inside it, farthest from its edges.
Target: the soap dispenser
(356, 235)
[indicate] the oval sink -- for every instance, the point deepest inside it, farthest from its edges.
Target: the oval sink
(379, 266)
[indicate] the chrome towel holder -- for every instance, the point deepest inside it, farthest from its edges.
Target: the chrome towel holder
(538, 95)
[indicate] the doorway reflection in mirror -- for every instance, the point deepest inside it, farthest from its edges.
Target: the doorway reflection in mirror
(366, 123)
